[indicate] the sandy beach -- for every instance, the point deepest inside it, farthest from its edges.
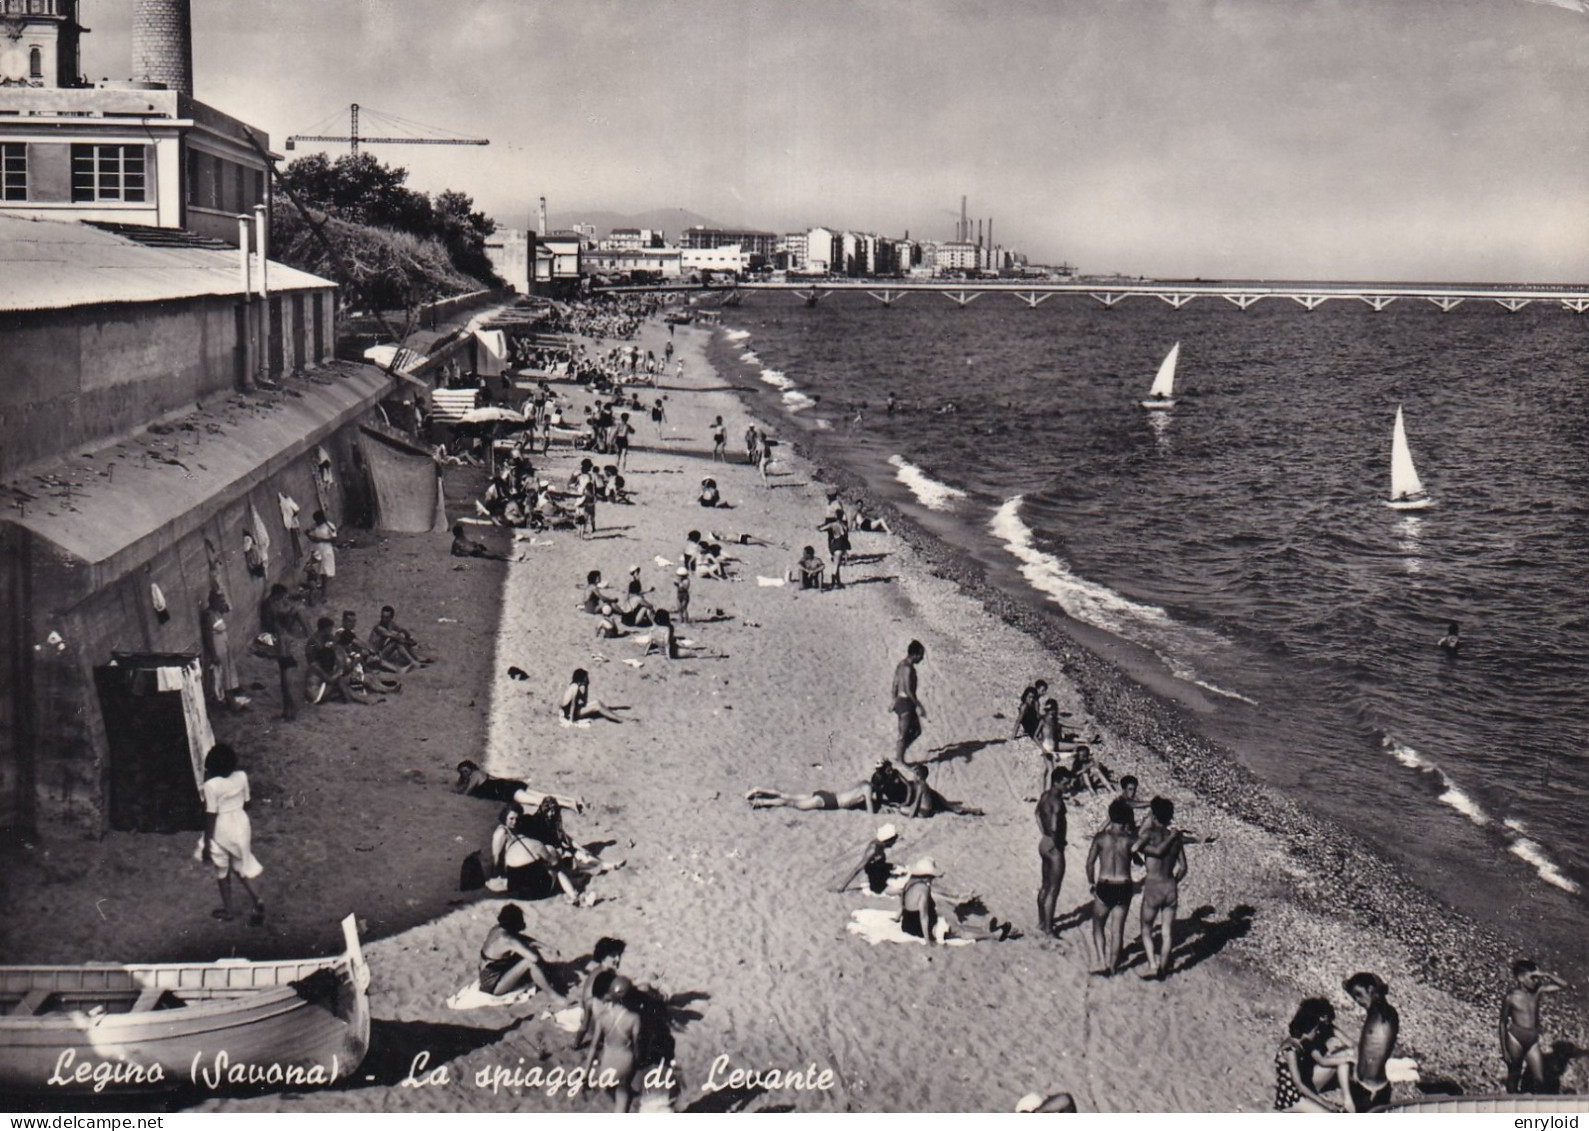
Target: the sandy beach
(732, 911)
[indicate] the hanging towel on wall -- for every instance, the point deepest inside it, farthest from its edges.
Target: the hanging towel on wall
(158, 600)
(261, 538)
(289, 519)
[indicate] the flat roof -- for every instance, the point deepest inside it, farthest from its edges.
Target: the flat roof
(111, 510)
(57, 264)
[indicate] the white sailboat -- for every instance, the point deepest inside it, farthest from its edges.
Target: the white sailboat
(1160, 396)
(1406, 490)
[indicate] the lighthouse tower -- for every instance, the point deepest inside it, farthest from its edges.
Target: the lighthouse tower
(162, 43)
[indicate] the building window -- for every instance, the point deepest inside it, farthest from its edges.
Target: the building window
(108, 172)
(13, 172)
(35, 63)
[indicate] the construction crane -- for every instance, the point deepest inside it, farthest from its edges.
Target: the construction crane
(354, 139)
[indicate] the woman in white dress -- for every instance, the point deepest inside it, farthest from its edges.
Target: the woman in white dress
(324, 536)
(228, 836)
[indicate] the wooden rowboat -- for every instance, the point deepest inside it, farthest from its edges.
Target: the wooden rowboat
(215, 1026)
(1494, 1104)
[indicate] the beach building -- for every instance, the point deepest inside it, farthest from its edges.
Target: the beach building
(730, 259)
(141, 474)
(509, 250)
(557, 263)
(626, 239)
(791, 252)
(657, 262)
(144, 151)
(759, 246)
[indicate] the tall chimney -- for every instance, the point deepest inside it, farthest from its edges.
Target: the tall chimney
(162, 43)
(960, 236)
(543, 218)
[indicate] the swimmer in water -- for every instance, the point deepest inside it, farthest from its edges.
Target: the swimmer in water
(1451, 642)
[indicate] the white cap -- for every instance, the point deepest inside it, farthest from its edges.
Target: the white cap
(924, 867)
(1029, 1102)
(886, 832)
(682, 572)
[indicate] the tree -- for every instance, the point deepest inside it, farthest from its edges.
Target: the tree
(359, 189)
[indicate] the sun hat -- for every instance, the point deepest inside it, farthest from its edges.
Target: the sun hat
(924, 867)
(886, 832)
(1029, 1102)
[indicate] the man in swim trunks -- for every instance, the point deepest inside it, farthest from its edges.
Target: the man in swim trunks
(1164, 853)
(905, 702)
(1520, 1036)
(1051, 847)
(1109, 874)
(1367, 1088)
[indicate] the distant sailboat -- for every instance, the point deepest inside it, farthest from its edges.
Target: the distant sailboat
(1160, 396)
(1406, 490)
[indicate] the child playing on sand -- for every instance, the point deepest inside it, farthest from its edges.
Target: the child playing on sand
(681, 593)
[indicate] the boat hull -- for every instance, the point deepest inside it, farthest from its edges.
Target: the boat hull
(1494, 1104)
(1409, 504)
(216, 1026)
(1157, 404)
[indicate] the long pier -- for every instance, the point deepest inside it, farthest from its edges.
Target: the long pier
(1175, 294)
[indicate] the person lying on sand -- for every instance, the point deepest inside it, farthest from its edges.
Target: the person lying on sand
(509, 956)
(871, 524)
(577, 705)
(475, 782)
(741, 539)
(874, 862)
(886, 788)
(924, 801)
(465, 547)
(920, 912)
(1521, 1042)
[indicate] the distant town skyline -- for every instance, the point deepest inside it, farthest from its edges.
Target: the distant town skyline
(1382, 139)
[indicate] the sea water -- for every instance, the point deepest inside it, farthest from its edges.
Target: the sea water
(1241, 540)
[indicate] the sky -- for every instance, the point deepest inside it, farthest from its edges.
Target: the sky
(1437, 140)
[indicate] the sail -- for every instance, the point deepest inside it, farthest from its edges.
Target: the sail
(1404, 481)
(1164, 383)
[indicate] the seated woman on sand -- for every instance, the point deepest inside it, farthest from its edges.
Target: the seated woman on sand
(886, 788)
(1303, 1067)
(532, 868)
(508, 956)
(710, 497)
(607, 627)
(595, 595)
(920, 913)
(578, 706)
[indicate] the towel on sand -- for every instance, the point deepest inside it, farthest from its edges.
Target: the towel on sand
(880, 925)
(473, 997)
(1401, 1070)
(769, 582)
(568, 1020)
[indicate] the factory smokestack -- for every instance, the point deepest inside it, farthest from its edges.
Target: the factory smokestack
(542, 228)
(162, 43)
(960, 236)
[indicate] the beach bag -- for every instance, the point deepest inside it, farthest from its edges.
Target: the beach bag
(472, 873)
